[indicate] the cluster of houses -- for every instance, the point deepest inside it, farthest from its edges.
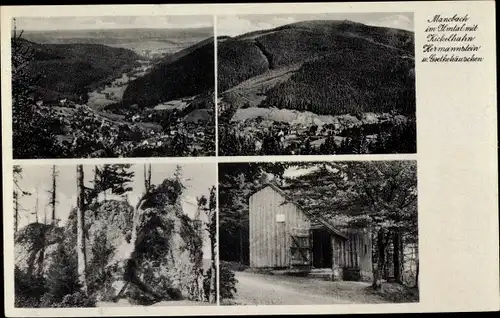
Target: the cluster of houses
(152, 53)
(292, 135)
(289, 134)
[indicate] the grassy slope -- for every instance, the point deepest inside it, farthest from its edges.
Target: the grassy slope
(67, 70)
(346, 66)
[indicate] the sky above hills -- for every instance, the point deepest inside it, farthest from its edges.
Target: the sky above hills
(113, 22)
(233, 25)
(198, 178)
(226, 24)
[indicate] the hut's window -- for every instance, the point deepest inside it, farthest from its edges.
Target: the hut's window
(366, 249)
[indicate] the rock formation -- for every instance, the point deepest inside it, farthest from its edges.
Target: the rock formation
(160, 259)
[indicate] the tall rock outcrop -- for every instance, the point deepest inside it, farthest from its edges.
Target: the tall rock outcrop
(167, 252)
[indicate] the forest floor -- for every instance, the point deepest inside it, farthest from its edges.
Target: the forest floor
(263, 289)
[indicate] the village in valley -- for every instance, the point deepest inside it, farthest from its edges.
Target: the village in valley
(96, 113)
(343, 134)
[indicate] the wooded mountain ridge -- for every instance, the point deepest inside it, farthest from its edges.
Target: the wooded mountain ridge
(337, 67)
(70, 70)
(188, 72)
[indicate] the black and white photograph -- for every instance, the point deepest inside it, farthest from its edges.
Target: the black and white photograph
(114, 235)
(316, 84)
(113, 86)
(307, 233)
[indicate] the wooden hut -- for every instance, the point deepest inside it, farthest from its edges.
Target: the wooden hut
(283, 235)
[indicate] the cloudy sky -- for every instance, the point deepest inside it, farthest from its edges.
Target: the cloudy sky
(113, 22)
(235, 25)
(198, 179)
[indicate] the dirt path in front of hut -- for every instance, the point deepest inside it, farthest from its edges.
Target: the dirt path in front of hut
(264, 289)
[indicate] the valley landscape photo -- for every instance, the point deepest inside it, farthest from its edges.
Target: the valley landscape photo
(93, 87)
(316, 84)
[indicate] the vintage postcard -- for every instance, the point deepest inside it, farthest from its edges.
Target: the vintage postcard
(232, 159)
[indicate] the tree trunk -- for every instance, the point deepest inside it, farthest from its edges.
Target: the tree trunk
(16, 211)
(80, 229)
(53, 198)
(416, 276)
(241, 244)
(36, 205)
(213, 281)
(396, 242)
(147, 177)
(96, 186)
(401, 255)
(377, 275)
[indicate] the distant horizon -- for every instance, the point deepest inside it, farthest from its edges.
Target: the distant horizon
(81, 23)
(112, 29)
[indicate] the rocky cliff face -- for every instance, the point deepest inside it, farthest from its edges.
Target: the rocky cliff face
(167, 252)
(33, 246)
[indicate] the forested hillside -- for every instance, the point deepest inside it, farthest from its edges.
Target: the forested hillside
(256, 52)
(287, 90)
(238, 61)
(331, 85)
(187, 73)
(70, 70)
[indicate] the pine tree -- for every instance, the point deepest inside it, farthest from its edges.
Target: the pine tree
(236, 181)
(17, 194)
(380, 196)
(147, 177)
(62, 277)
(53, 194)
(16, 210)
(212, 232)
(32, 128)
(178, 184)
(114, 177)
(35, 209)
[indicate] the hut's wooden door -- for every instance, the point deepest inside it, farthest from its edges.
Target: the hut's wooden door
(322, 249)
(300, 249)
